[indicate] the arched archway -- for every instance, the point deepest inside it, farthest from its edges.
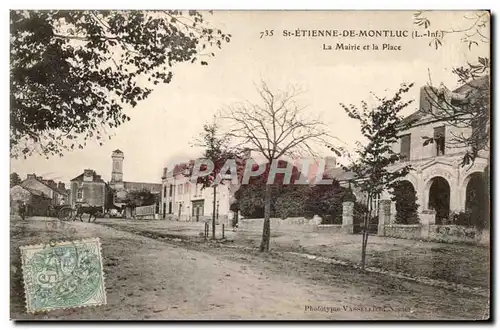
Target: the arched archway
(406, 205)
(439, 198)
(476, 198)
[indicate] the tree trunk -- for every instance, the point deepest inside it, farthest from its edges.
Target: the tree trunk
(366, 222)
(266, 231)
(213, 213)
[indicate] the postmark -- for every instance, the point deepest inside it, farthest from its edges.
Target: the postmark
(62, 275)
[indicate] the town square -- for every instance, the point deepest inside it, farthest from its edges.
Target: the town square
(220, 165)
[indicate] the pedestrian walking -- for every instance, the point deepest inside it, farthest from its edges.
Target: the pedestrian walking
(22, 210)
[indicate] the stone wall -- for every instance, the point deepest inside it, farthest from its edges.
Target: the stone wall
(298, 224)
(403, 231)
(453, 233)
(427, 230)
(329, 228)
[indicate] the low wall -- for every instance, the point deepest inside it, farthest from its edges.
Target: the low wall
(403, 231)
(329, 229)
(438, 233)
(453, 233)
(297, 224)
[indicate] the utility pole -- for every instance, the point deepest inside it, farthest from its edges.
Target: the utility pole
(213, 212)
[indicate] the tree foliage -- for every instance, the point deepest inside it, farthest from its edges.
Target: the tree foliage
(143, 197)
(326, 201)
(475, 29)
(15, 179)
(216, 148)
(406, 199)
(373, 167)
(251, 196)
(73, 72)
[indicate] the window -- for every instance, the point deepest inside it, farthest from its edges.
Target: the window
(171, 190)
(164, 191)
(179, 189)
(79, 194)
(375, 204)
(186, 188)
(169, 207)
(405, 146)
(439, 139)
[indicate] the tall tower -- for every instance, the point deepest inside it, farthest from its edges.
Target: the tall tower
(117, 170)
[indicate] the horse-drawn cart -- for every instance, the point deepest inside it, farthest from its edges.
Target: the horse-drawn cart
(68, 213)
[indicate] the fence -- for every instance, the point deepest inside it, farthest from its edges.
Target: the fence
(146, 212)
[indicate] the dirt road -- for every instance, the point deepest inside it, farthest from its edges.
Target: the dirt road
(152, 279)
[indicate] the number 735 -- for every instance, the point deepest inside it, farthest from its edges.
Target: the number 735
(266, 33)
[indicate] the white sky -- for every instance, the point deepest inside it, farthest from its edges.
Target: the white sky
(163, 127)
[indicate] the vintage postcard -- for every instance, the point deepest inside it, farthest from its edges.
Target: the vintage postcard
(250, 165)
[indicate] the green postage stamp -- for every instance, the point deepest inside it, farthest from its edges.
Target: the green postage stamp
(63, 275)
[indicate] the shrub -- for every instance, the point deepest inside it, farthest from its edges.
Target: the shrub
(405, 197)
(468, 219)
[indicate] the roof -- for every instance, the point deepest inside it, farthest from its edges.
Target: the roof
(476, 83)
(465, 88)
(152, 187)
(55, 188)
(96, 178)
(33, 191)
(36, 192)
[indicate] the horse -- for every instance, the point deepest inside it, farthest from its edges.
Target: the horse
(90, 210)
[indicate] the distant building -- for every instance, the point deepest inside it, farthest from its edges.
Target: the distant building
(187, 201)
(37, 203)
(56, 191)
(88, 188)
(120, 187)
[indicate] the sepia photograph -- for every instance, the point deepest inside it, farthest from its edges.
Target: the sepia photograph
(209, 165)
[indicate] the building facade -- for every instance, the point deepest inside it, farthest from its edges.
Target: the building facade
(56, 191)
(89, 189)
(187, 201)
(440, 181)
(37, 202)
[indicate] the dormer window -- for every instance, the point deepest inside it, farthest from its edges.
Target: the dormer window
(439, 139)
(405, 146)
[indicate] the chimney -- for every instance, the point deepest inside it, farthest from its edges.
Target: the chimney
(247, 153)
(88, 175)
(51, 183)
(165, 170)
(428, 96)
(330, 165)
(39, 178)
(61, 186)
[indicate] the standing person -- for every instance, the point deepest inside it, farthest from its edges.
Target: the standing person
(22, 210)
(50, 210)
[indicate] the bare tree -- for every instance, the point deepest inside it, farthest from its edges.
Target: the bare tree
(276, 127)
